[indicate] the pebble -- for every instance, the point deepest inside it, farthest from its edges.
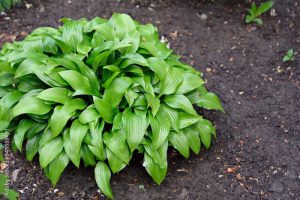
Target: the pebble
(15, 174)
(203, 17)
(276, 186)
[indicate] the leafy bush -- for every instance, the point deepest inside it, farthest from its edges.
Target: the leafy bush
(6, 4)
(99, 90)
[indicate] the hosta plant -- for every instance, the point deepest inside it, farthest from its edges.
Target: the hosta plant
(98, 91)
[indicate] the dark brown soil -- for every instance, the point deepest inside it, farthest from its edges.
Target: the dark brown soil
(257, 152)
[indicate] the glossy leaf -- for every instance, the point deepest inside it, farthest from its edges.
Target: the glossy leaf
(49, 152)
(57, 167)
(102, 175)
(135, 126)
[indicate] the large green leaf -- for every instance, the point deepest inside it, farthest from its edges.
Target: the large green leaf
(210, 101)
(97, 145)
(6, 102)
(77, 133)
(20, 132)
(78, 82)
(115, 92)
(88, 115)
(32, 147)
(68, 147)
(56, 94)
(121, 24)
(193, 139)
(189, 83)
(180, 101)
(105, 109)
(102, 175)
(156, 171)
(186, 120)
(50, 150)
(30, 105)
(87, 156)
(114, 162)
(116, 142)
(205, 129)
(57, 166)
(180, 142)
(135, 126)
(172, 115)
(160, 126)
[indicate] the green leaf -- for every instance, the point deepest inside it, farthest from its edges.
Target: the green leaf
(6, 102)
(210, 101)
(264, 7)
(77, 133)
(158, 66)
(30, 105)
(186, 120)
(102, 175)
(180, 101)
(189, 83)
(115, 92)
(50, 150)
(289, 56)
(105, 109)
(57, 167)
(59, 119)
(205, 129)
(154, 170)
(135, 126)
(88, 115)
(78, 82)
(20, 132)
(56, 94)
(116, 142)
(6, 79)
(87, 156)
(97, 145)
(180, 142)
(72, 33)
(121, 24)
(114, 162)
(153, 102)
(171, 81)
(160, 126)
(157, 49)
(68, 146)
(32, 147)
(193, 140)
(172, 115)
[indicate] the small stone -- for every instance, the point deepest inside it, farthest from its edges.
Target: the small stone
(83, 194)
(203, 16)
(273, 12)
(276, 186)
(15, 174)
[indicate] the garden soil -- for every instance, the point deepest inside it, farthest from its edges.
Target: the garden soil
(257, 152)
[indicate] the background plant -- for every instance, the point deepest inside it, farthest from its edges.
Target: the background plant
(6, 4)
(289, 56)
(98, 91)
(255, 12)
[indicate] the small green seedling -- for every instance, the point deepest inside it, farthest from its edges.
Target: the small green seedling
(255, 12)
(289, 56)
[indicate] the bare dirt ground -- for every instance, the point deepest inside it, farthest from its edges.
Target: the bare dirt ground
(257, 152)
